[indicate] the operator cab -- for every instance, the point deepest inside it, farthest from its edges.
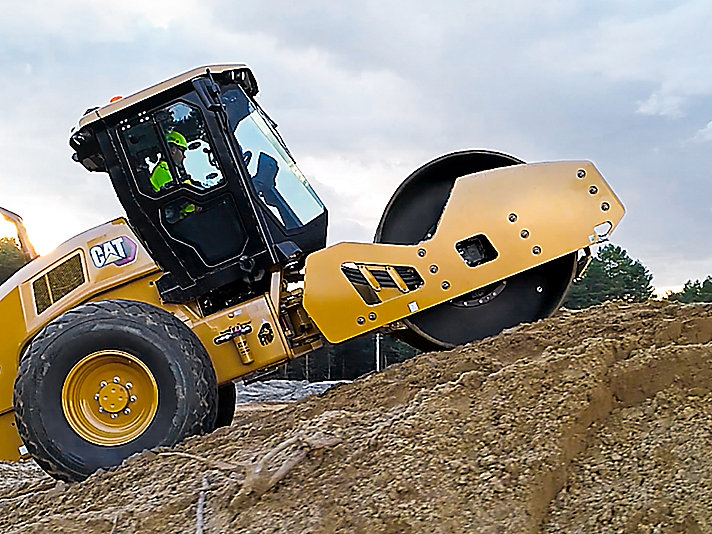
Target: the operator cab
(207, 183)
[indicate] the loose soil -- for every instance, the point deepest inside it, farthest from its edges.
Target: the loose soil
(591, 421)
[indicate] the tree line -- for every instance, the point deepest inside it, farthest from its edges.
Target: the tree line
(614, 275)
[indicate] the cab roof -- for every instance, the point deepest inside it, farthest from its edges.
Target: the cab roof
(242, 71)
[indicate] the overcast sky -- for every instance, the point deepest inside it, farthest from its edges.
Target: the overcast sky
(366, 94)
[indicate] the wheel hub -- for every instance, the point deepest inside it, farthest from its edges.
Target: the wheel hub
(110, 397)
(113, 398)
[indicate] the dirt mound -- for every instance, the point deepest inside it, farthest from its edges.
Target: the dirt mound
(593, 421)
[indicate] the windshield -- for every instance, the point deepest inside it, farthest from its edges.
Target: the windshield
(279, 183)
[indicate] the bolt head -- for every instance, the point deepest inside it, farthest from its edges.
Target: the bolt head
(361, 320)
(536, 250)
(433, 269)
(446, 285)
(129, 385)
(581, 173)
(512, 217)
(539, 289)
(421, 252)
(524, 234)
(593, 189)
(372, 316)
(605, 206)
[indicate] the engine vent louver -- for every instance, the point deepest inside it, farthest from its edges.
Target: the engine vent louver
(369, 280)
(58, 282)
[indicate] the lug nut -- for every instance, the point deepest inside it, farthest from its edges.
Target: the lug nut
(539, 289)
(593, 189)
(96, 397)
(372, 316)
(581, 173)
(129, 385)
(132, 398)
(101, 410)
(127, 411)
(103, 384)
(512, 217)
(536, 250)
(524, 234)
(433, 269)
(421, 252)
(361, 320)
(114, 415)
(116, 380)
(605, 206)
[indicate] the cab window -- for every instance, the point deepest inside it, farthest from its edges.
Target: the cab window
(170, 148)
(277, 180)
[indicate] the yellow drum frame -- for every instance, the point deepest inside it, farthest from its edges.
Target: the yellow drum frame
(542, 212)
(110, 397)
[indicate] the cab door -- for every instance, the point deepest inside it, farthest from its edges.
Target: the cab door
(185, 196)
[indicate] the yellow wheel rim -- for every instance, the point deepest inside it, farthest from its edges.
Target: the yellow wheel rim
(110, 397)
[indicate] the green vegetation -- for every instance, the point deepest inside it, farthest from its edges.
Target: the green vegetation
(694, 291)
(612, 275)
(11, 258)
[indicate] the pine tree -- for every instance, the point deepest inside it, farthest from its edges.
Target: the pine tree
(612, 275)
(694, 291)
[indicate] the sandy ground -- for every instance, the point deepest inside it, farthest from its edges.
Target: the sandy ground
(592, 421)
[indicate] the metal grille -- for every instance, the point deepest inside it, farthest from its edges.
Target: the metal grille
(409, 275)
(354, 275)
(58, 283)
(41, 291)
(65, 277)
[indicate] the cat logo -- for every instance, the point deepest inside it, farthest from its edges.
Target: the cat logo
(119, 251)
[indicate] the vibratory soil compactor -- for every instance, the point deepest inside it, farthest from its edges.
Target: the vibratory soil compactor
(129, 335)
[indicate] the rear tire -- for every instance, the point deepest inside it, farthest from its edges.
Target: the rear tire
(109, 379)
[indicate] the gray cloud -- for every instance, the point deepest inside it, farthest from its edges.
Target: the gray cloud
(364, 94)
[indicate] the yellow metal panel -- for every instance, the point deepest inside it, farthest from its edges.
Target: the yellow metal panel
(11, 446)
(226, 359)
(99, 279)
(558, 204)
(11, 342)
